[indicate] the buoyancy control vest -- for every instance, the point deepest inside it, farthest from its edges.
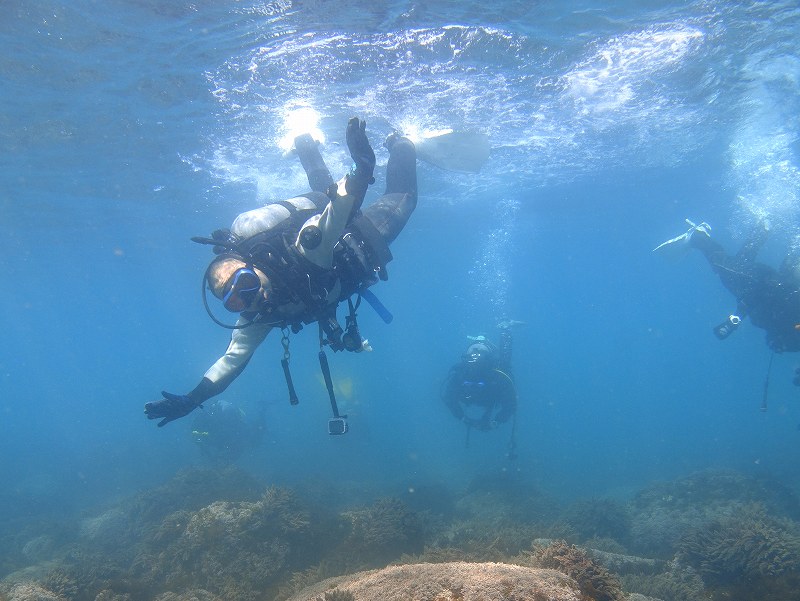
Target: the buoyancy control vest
(265, 238)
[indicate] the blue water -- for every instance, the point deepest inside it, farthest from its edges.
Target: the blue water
(129, 126)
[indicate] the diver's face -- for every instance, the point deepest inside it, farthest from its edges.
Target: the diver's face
(476, 362)
(260, 298)
(245, 290)
(263, 292)
(476, 358)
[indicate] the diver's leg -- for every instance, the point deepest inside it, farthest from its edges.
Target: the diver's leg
(392, 211)
(711, 249)
(401, 170)
(753, 244)
(319, 178)
(734, 273)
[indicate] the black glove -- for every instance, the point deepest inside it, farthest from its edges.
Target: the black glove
(363, 156)
(170, 408)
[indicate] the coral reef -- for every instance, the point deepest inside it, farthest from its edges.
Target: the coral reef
(192, 595)
(664, 512)
(112, 596)
(745, 546)
(235, 550)
(503, 498)
(96, 550)
(81, 574)
(656, 531)
(677, 583)
(337, 595)
(191, 489)
(595, 581)
(487, 540)
(496, 518)
(594, 518)
(39, 548)
(38, 540)
(63, 583)
(456, 581)
(27, 591)
(106, 531)
(381, 532)
(704, 487)
(209, 535)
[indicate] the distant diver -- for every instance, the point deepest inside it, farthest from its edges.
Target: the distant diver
(769, 297)
(479, 390)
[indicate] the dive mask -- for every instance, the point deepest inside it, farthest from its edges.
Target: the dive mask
(243, 290)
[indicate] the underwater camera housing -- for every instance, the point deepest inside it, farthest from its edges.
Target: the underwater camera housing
(337, 426)
(727, 327)
(352, 337)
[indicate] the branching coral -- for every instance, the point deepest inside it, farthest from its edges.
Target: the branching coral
(337, 595)
(212, 532)
(233, 549)
(382, 532)
(62, 583)
(81, 575)
(192, 489)
(665, 511)
(677, 583)
(745, 544)
(29, 591)
(595, 582)
(487, 540)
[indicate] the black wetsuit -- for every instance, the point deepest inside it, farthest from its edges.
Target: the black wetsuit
(769, 297)
(480, 395)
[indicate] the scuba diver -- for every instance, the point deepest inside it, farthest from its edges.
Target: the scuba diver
(479, 389)
(291, 263)
(222, 431)
(769, 297)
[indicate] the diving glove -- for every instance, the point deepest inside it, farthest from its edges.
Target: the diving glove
(171, 407)
(363, 156)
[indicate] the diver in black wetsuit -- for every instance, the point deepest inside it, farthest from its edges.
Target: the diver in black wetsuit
(769, 297)
(480, 389)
